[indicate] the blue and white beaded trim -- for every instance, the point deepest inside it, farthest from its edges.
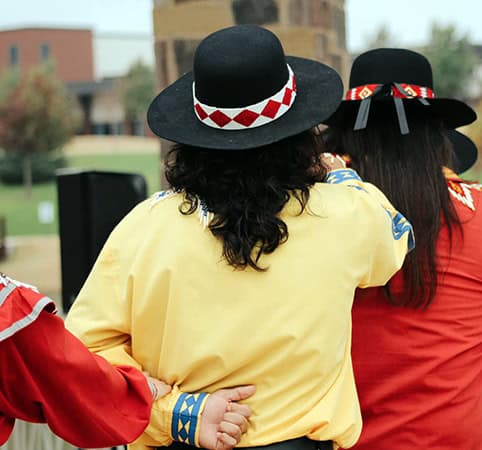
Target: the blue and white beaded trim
(185, 417)
(161, 195)
(342, 175)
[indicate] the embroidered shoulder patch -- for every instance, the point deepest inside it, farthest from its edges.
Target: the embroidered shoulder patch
(476, 186)
(461, 192)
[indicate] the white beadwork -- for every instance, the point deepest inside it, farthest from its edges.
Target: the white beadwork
(204, 215)
(467, 199)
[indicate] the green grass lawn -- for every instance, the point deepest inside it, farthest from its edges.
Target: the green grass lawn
(22, 213)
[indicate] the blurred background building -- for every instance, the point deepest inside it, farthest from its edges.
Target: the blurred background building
(90, 64)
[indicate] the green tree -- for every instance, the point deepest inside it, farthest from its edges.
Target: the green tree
(138, 90)
(452, 58)
(382, 37)
(36, 116)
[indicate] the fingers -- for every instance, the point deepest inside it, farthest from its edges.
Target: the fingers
(231, 430)
(243, 410)
(236, 419)
(158, 388)
(238, 393)
(225, 442)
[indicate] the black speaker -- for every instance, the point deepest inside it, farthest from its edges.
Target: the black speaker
(90, 204)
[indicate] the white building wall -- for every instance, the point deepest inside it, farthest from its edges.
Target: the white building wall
(115, 53)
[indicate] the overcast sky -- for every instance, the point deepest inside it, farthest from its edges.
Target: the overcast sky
(409, 21)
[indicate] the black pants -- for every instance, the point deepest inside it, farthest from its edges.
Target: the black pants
(293, 444)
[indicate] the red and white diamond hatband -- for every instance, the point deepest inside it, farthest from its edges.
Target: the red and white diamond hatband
(252, 116)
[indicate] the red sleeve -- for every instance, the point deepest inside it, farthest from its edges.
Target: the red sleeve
(47, 375)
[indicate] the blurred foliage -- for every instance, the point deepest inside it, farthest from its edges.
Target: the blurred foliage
(43, 166)
(381, 37)
(138, 88)
(453, 60)
(36, 116)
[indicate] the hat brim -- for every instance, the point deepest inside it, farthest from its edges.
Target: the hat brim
(454, 113)
(465, 151)
(319, 92)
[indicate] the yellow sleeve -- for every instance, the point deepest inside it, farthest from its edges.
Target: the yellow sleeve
(386, 234)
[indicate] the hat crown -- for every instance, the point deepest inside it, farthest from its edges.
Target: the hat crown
(239, 66)
(389, 65)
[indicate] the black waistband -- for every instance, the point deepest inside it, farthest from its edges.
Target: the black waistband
(293, 444)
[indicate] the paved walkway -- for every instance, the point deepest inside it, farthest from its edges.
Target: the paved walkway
(89, 144)
(35, 260)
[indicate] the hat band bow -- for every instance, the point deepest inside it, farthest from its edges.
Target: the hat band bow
(398, 91)
(252, 116)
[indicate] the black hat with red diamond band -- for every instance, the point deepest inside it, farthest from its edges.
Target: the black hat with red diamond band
(244, 93)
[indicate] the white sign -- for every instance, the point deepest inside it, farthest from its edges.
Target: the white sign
(46, 212)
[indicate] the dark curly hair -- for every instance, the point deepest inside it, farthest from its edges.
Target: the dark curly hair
(246, 190)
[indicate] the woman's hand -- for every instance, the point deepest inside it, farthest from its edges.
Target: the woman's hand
(158, 388)
(331, 161)
(223, 420)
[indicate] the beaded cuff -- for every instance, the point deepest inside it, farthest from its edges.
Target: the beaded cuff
(185, 418)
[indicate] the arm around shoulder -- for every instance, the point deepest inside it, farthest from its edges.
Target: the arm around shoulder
(387, 236)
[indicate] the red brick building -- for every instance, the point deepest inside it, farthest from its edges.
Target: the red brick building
(71, 49)
(74, 53)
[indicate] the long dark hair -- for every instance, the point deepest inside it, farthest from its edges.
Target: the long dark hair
(245, 190)
(409, 170)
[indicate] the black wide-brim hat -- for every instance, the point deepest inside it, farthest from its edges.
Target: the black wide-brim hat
(465, 151)
(378, 74)
(244, 69)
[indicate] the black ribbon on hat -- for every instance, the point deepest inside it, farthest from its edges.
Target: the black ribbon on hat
(364, 109)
